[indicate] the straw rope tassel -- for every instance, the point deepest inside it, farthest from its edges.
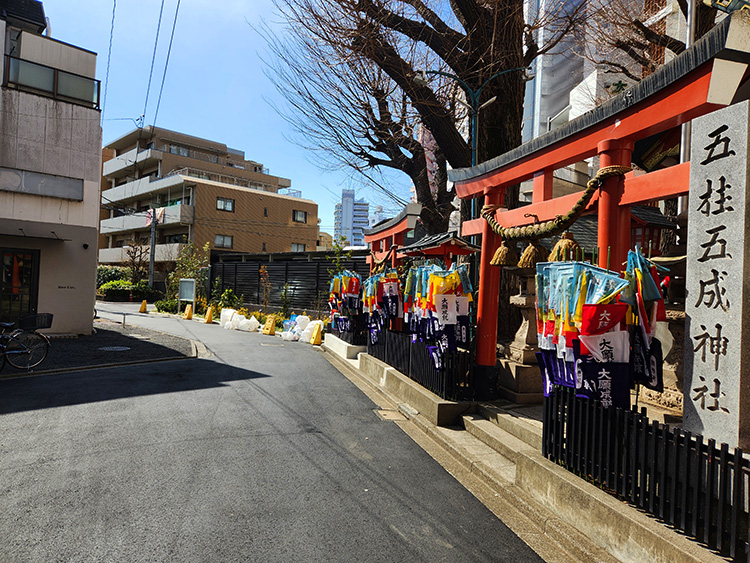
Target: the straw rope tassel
(505, 255)
(565, 249)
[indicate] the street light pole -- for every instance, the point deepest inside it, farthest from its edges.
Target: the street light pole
(473, 101)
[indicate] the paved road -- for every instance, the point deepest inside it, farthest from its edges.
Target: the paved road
(262, 452)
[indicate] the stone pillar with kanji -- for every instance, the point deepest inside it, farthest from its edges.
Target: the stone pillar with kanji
(717, 306)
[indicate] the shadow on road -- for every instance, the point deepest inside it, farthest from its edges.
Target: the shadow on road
(65, 389)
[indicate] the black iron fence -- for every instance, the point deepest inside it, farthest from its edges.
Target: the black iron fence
(697, 486)
(451, 381)
(356, 335)
(307, 282)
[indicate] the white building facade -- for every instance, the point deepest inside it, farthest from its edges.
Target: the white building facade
(351, 217)
(50, 169)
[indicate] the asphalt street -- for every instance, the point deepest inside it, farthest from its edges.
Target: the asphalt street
(261, 452)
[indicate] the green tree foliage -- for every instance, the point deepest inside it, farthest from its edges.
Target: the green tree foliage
(190, 264)
(106, 274)
(339, 257)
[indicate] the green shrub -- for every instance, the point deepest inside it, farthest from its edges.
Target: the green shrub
(106, 274)
(123, 289)
(166, 306)
(143, 291)
(229, 300)
(116, 289)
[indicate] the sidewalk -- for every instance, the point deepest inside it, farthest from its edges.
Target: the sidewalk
(110, 344)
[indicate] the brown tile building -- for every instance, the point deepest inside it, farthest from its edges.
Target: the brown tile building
(202, 192)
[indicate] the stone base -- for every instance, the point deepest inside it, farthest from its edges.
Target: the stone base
(341, 348)
(523, 355)
(519, 383)
(434, 409)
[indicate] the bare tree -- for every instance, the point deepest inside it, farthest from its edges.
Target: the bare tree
(137, 254)
(363, 58)
(633, 39)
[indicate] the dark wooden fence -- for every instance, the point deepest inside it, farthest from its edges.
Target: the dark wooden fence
(308, 281)
(698, 487)
(452, 381)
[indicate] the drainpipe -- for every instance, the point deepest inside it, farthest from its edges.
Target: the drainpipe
(685, 128)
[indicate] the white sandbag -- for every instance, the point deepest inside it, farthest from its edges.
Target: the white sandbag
(302, 321)
(254, 323)
(246, 326)
(236, 320)
(307, 333)
(226, 316)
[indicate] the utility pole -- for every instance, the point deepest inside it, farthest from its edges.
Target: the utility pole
(152, 249)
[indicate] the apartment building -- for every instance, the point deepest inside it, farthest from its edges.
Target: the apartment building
(50, 168)
(351, 217)
(200, 191)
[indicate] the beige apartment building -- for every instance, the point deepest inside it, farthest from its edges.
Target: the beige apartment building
(201, 191)
(50, 168)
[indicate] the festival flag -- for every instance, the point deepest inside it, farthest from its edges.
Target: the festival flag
(596, 319)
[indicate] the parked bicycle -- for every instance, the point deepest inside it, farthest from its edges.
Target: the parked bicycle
(24, 347)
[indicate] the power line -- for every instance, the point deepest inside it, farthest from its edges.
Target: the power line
(166, 64)
(153, 59)
(109, 55)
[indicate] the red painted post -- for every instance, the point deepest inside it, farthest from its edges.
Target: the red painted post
(609, 234)
(489, 290)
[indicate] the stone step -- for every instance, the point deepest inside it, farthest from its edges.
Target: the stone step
(522, 422)
(494, 437)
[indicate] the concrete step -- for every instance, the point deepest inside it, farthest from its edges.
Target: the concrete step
(521, 421)
(494, 437)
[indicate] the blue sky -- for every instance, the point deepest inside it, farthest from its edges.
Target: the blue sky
(215, 87)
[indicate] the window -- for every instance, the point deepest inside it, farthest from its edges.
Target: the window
(182, 151)
(224, 204)
(265, 212)
(264, 247)
(299, 216)
(223, 241)
(175, 239)
(296, 247)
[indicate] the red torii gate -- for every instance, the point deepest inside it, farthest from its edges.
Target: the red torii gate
(712, 74)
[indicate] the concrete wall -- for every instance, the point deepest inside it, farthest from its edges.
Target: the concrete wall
(59, 139)
(45, 51)
(39, 134)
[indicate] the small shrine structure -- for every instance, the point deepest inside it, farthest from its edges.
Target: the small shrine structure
(708, 76)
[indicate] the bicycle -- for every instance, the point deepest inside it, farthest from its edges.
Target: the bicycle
(24, 347)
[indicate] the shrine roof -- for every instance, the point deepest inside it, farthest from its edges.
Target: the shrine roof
(410, 213)
(717, 43)
(435, 241)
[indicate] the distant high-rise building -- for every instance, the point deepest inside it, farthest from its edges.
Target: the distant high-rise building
(350, 218)
(377, 215)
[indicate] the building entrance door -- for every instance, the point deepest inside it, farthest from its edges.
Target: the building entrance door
(19, 283)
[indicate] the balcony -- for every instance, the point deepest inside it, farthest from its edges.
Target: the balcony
(164, 253)
(139, 188)
(48, 81)
(173, 215)
(123, 164)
